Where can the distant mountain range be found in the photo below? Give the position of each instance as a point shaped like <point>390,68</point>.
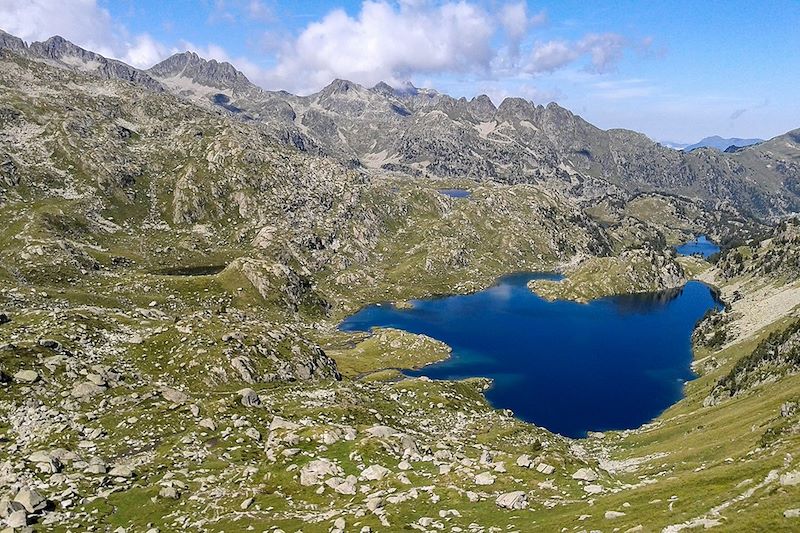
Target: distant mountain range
<point>421,132</point>
<point>721,143</point>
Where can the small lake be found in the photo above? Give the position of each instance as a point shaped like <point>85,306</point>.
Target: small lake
<point>700,246</point>
<point>455,193</point>
<point>614,363</point>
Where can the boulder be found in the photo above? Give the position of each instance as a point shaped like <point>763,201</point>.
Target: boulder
<point>585,474</point>
<point>121,471</point>
<point>546,469</point>
<point>249,398</point>
<point>524,461</point>
<point>26,376</point>
<point>375,472</point>
<point>50,344</point>
<point>611,515</point>
<point>484,478</point>
<point>343,486</point>
<point>85,390</point>
<point>313,472</point>
<point>280,423</point>
<point>208,424</point>
<point>253,433</point>
<point>512,500</point>
<point>31,500</point>
<point>790,478</point>
<point>169,493</point>
<point>173,395</point>
<point>97,379</point>
<point>382,431</point>
<point>17,519</point>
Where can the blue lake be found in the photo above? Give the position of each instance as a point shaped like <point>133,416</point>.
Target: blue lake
<point>700,246</point>
<point>614,363</point>
<point>455,193</point>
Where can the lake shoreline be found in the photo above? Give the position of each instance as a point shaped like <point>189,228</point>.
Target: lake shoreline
<point>641,305</point>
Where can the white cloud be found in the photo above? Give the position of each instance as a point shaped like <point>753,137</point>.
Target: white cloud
<point>387,42</point>
<point>514,18</point>
<point>144,52</point>
<point>603,51</point>
<point>552,55</point>
<point>258,10</point>
<point>83,22</point>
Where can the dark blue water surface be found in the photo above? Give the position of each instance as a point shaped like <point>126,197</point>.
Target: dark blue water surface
<point>614,363</point>
<point>700,245</point>
<point>455,193</point>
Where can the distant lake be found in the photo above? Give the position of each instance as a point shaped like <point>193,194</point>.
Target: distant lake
<point>455,193</point>
<point>614,363</point>
<point>700,245</point>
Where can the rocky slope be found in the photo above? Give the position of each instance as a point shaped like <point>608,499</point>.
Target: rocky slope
<point>172,272</point>
<point>421,132</point>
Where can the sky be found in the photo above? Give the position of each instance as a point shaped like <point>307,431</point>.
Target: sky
<point>676,70</point>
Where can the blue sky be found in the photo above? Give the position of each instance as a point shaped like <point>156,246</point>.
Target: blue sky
<point>677,70</point>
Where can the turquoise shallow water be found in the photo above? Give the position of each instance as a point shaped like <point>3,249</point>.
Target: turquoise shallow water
<point>614,363</point>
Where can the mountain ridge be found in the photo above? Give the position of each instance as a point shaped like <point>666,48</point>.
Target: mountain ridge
<point>425,133</point>
<point>721,144</point>
<point>175,265</point>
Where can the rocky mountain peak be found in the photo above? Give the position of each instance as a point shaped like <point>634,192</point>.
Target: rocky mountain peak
<point>384,89</point>
<point>207,72</point>
<point>65,54</point>
<point>482,107</point>
<point>339,86</point>
<point>11,42</point>
<point>518,108</point>
<point>57,48</point>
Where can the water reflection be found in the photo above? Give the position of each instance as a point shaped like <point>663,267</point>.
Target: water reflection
<point>645,302</point>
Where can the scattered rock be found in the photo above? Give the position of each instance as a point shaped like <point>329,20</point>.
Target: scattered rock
<point>85,390</point>
<point>585,474</point>
<point>208,424</point>
<point>121,471</point>
<point>513,500</point>
<point>375,472</point>
<point>173,395</point>
<point>280,423</point>
<point>50,344</point>
<point>31,500</point>
<point>343,486</point>
<point>524,461</point>
<point>169,493</point>
<point>593,489</point>
<point>484,478</point>
<point>17,519</point>
<point>26,376</point>
<point>313,472</point>
<point>249,398</point>
<point>611,515</point>
<point>545,469</point>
